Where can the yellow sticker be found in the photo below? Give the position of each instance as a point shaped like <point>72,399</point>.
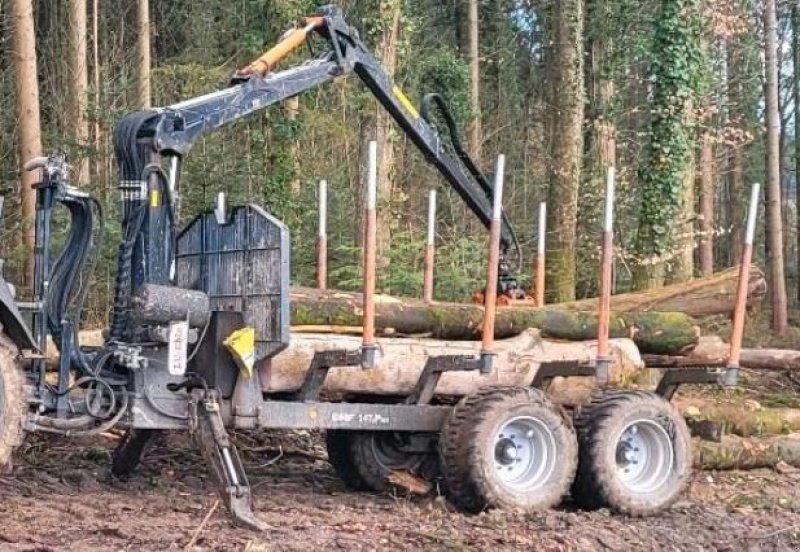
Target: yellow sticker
<point>154,199</point>
<point>403,99</point>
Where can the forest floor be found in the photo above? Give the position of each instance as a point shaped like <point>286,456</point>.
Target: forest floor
<point>60,496</point>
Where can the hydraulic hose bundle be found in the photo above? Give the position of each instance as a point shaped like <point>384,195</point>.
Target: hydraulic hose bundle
<point>132,159</point>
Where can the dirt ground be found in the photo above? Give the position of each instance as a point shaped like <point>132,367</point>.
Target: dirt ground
<point>60,496</point>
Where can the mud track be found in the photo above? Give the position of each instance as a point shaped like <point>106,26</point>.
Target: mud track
<point>60,496</point>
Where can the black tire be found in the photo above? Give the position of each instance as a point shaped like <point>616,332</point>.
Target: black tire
<point>613,420</point>
<point>13,401</point>
<point>471,455</point>
<point>365,459</point>
<point>341,458</point>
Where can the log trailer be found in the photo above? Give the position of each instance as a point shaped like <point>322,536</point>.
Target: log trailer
<point>199,312</point>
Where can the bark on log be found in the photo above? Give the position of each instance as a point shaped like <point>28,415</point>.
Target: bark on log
<point>712,351</point>
<point>714,294</point>
<point>653,332</point>
<point>402,361</point>
<point>743,417</point>
<point>742,453</point>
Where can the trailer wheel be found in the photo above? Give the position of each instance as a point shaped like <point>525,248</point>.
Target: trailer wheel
<point>13,401</point>
<point>635,453</point>
<point>338,442</point>
<point>508,447</point>
<point>365,459</point>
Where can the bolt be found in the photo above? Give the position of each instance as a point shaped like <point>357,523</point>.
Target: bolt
<point>529,434</point>
<point>633,430</point>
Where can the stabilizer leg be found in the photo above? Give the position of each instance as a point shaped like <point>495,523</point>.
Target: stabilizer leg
<point>128,454</point>
<point>222,458</point>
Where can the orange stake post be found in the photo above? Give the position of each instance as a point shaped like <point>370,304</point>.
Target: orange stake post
<point>369,347</point>
<point>492,269</point>
<point>427,278</point>
<point>606,268</point>
<point>539,271</point>
<point>732,373</point>
<point>322,237</point>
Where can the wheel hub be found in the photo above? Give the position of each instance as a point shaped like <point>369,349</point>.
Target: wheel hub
<point>644,456</point>
<point>524,453</point>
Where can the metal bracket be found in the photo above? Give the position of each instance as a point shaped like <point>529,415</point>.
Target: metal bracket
<point>432,373</point>
<point>322,362</point>
<point>548,371</point>
<point>675,377</point>
<point>224,464</point>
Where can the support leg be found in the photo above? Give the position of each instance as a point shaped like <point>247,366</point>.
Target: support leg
<point>128,454</point>
<point>222,458</point>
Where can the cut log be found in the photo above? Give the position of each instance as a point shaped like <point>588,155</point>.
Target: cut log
<point>744,417</point>
<point>712,351</point>
<point>747,453</point>
<point>707,296</point>
<point>653,332</point>
<point>402,361</point>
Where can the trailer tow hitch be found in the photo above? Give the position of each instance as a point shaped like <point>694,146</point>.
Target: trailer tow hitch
<point>208,431</point>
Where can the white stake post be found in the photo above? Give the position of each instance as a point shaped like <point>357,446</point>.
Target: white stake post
<point>540,253</point>
<point>606,268</point>
<point>740,308</point>
<point>322,237</point>
<point>369,347</point>
<point>427,279</point>
<point>492,269</point>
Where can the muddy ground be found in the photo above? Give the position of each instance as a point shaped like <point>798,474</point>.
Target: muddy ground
<point>60,496</point>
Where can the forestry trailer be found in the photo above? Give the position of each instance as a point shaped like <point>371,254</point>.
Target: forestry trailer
<point>199,312</point>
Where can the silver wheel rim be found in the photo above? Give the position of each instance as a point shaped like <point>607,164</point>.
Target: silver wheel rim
<point>524,454</point>
<point>644,456</point>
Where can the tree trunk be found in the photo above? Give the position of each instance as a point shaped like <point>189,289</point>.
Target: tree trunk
<point>565,136</point>
<point>735,157</point>
<point>97,137</point>
<point>26,88</point>
<point>663,172</point>
<point>796,90</point>
<point>707,206</point>
<point>773,188</point>
<point>402,360</point>
<point>379,126</point>
<point>143,47</point>
<point>78,84</point>
<point>475,131</point>
<point>682,265</point>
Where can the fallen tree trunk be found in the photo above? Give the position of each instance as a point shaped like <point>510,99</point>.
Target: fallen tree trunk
<point>653,332</point>
<point>402,360</point>
<point>712,351</point>
<point>744,417</point>
<point>715,294</point>
<point>747,453</point>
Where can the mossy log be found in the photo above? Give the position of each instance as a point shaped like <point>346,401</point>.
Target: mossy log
<point>715,294</point>
<point>713,351</point>
<point>744,417</point>
<point>747,453</point>
<point>654,332</point>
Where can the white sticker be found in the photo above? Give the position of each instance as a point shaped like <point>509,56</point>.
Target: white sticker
<point>178,344</point>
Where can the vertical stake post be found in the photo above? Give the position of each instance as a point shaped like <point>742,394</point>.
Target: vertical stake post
<point>603,360</point>
<point>322,237</point>
<point>539,273</point>
<point>731,376</point>
<point>427,278</point>
<point>492,269</point>
<point>369,348</point>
